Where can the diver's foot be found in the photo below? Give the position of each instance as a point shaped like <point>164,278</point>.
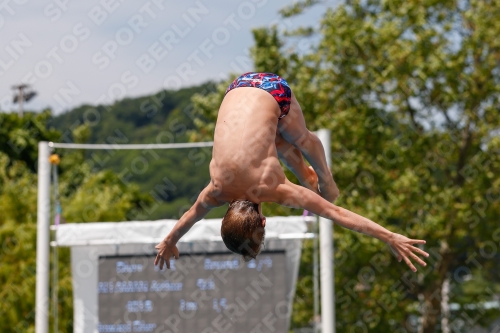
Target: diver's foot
<point>311,181</point>
<point>329,191</point>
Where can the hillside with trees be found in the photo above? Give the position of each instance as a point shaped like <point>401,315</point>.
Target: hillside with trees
<point>172,178</point>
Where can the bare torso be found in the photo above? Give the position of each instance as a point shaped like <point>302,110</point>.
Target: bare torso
<point>245,163</point>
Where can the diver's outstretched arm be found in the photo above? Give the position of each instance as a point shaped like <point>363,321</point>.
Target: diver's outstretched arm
<point>167,248</point>
<point>291,195</point>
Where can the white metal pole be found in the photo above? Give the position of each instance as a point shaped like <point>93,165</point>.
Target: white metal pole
<point>43,240</point>
<point>326,255</point>
<point>316,275</point>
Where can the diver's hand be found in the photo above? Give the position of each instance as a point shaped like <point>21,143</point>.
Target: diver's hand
<point>166,250</point>
<point>403,249</point>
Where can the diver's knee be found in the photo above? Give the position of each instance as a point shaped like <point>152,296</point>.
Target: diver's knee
<point>335,194</point>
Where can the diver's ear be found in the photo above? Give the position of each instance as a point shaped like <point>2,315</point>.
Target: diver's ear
<point>263,220</point>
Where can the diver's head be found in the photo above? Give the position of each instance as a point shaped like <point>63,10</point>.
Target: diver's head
<point>242,228</point>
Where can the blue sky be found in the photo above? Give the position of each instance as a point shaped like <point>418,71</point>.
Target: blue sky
<point>75,52</point>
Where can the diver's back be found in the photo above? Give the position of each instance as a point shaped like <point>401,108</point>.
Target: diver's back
<point>245,131</point>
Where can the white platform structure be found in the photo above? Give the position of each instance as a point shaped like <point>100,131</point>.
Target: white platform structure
<point>74,235</point>
<point>89,241</point>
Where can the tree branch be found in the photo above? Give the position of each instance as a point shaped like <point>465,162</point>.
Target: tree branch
<point>459,179</point>
<point>412,113</point>
<point>451,123</point>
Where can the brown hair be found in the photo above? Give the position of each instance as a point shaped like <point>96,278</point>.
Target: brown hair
<point>242,229</point>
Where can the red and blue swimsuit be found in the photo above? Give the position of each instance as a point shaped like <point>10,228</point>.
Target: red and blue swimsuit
<point>272,83</point>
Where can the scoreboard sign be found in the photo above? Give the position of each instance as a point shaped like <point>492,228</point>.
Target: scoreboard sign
<point>201,293</point>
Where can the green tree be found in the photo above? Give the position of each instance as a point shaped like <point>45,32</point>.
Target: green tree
<point>410,91</point>
<point>86,196</point>
<point>19,137</point>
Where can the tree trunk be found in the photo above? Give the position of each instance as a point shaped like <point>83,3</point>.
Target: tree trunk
<point>432,309</point>
<point>433,294</point>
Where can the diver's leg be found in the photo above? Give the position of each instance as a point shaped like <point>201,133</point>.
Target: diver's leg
<point>293,160</point>
<point>293,129</point>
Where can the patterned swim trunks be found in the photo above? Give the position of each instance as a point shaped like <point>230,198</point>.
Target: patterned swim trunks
<point>272,83</point>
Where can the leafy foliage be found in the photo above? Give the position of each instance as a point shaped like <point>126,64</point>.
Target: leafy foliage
<point>19,136</point>
<point>411,93</point>
<point>86,196</point>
